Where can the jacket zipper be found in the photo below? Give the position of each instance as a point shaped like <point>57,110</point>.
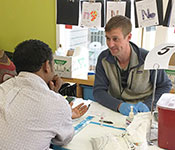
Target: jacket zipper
<point>131,79</point>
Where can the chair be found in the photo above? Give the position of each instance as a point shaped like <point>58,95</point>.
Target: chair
<point>7,68</point>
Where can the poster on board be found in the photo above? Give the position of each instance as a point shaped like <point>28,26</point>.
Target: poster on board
<point>148,13</point>
<point>115,8</point>
<point>91,15</point>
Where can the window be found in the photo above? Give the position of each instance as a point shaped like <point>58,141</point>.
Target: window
<point>92,39</point>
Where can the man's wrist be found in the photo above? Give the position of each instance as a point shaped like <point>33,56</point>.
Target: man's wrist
<point>118,107</point>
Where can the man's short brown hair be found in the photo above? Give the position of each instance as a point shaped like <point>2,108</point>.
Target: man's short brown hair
<point>119,21</point>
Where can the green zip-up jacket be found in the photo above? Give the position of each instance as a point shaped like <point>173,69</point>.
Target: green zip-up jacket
<point>107,87</point>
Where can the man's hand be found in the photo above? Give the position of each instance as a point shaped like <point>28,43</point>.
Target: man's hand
<point>125,108</point>
<point>56,83</point>
<point>141,107</point>
<point>79,110</point>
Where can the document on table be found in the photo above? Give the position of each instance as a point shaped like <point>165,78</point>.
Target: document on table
<point>78,101</point>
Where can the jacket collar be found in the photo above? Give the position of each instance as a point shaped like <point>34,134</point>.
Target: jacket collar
<point>136,58</point>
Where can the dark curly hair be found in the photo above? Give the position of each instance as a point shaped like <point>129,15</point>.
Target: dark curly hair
<point>30,55</point>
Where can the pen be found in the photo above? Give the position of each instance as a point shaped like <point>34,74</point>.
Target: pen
<point>105,121</point>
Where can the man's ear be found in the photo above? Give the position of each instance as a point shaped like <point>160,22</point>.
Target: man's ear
<point>46,66</point>
<point>129,36</point>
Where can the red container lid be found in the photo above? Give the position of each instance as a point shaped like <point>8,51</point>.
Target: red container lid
<point>167,101</point>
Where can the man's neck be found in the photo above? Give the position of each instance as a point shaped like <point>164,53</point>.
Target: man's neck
<point>124,60</point>
<point>124,64</point>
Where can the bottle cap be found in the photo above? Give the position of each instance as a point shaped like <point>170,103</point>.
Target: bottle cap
<point>131,113</point>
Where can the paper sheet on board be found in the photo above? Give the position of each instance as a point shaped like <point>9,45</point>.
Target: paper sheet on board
<point>159,57</point>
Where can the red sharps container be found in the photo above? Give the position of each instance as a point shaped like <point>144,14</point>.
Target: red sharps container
<point>166,121</point>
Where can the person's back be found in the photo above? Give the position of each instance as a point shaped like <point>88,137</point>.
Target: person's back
<point>31,115</point>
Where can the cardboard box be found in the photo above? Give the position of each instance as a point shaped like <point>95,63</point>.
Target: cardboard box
<point>72,66</point>
<point>171,75</point>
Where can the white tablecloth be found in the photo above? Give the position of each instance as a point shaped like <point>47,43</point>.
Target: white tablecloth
<point>81,140</point>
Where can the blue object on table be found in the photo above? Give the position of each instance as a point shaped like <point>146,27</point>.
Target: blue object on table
<point>91,73</point>
<point>105,125</point>
<point>77,128</point>
<point>87,92</point>
<point>56,147</point>
<point>82,124</point>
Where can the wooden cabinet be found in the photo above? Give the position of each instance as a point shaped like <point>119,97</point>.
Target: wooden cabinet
<point>79,90</point>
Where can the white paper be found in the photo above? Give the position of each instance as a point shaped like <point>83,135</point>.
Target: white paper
<point>139,127</point>
<point>172,18</point>
<point>136,133</point>
<point>81,51</point>
<point>159,57</point>
<point>115,8</point>
<point>78,101</point>
<point>147,13</point>
<point>91,15</point>
<point>108,142</point>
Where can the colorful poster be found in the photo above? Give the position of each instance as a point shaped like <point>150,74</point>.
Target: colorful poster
<point>147,13</point>
<point>91,15</point>
<point>115,8</point>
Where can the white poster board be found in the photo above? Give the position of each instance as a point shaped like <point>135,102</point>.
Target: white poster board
<point>91,14</point>
<point>115,8</point>
<point>159,57</point>
<point>147,13</point>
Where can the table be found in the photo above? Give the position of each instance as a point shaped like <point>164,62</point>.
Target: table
<point>82,139</point>
<point>89,82</point>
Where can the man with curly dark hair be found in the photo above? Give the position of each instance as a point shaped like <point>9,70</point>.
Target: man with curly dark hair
<point>32,113</point>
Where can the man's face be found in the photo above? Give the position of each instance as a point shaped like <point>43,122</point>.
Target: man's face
<point>116,42</point>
